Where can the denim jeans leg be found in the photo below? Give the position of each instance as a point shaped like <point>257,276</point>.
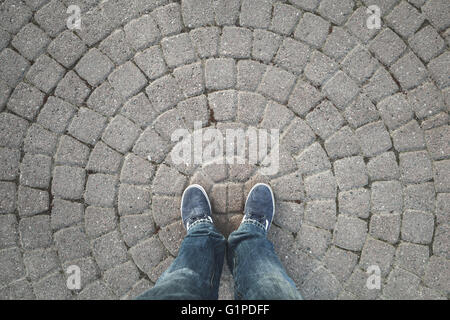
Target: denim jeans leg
<point>257,270</point>
<point>195,273</point>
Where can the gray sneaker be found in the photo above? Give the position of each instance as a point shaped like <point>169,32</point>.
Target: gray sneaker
<point>260,205</point>
<point>195,206</point>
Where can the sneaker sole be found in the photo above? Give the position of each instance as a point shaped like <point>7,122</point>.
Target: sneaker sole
<point>202,190</point>
<point>273,200</point>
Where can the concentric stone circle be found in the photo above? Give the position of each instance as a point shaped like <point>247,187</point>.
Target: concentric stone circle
<point>86,117</point>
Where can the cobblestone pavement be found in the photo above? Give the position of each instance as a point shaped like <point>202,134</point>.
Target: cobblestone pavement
<point>86,118</point>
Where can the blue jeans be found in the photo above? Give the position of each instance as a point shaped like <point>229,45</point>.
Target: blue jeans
<point>195,273</point>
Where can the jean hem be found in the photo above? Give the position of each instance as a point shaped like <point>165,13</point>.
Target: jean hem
<point>254,222</point>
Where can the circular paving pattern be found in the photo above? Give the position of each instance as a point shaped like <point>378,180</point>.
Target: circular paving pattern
<point>86,118</point>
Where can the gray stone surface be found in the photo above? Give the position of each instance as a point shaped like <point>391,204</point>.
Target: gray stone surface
<point>87,176</point>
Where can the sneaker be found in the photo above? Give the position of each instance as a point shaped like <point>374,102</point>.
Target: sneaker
<point>260,205</point>
<point>195,206</point>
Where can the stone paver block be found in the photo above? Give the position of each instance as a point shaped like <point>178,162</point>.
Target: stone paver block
<point>172,237</point>
<point>415,167</point>
<point>65,213</point>
<point>151,62</point>
<point>320,284</point>
<point>168,19</point>
<point>355,202</point>
<point>265,45</point>
<point>284,18</point>
<point>325,119</point>
<point>178,50</point>
<point>136,227</point>
<point>235,42</point>
<point>298,136</point>
<point>14,15</point>
<point>197,13</point>
<point>255,14</point>
<point>127,79</point>
<point>404,19</point>
<point>412,257</point>
<point>220,73</point>
<point>438,69</point>
<point>249,74</point>
<point>72,243</point>
<point>312,29</point>
<point>385,227</point>
<point>426,100</point>
<point>357,25</point>
<point>313,159</point>
<point>122,277</point>
<point>35,232</point>
<point>94,67</point>
<point>12,67</point>
<point>52,287</point>
<point>9,234</point>
<point>409,71</point>
<point>408,137</point>
<point>292,55</point>
<point>139,110</point>
<point>250,107</point>
<point>321,186</point>
<point>168,181</point>
<point>380,85</point>
<point>39,140</point>
<point>40,262</point>
<point>436,12</point>
<point>350,173</point>
<point>339,42</point>
<point>148,254</point>
<point>26,101</point>
<point>436,273</point>
<point>359,64</point>
<point>342,144</point>
<point>321,213</point>
<point>223,104</point>
<point>52,17</point>
<point>205,41</point>
<point>121,134</point>
<point>99,221</point>
<point>116,47</point>
<point>395,111</point>
<point>401,285</point>
<point>109,250</point>
<point>417,226</point>
<point>420,197</point>
<point>190,78</point>
<point>289,216</point>
<point>9,163</point>
<point>87,126</point>
<point>29,202</point>
<point>314,240</point>
<point>45,73</point>
<point>387,46</point>
<point>340,262</point>
<point>441,241</point>
<point>142,32</point>
<point>66,48</point>
<point>437,142</point>
<point>442,176</point>
<point>68,182</point>
<point>104,159</point>
<point>350,233</point>
<point>386,196</point>
<point>136,170</point>
<point>383,167</point>
<point>12,265</point>
<point>30,41</point>
<point>72,152</point>
<point>100,190</point>
<point>164,93</point>
<point>72,89</point>
<point>133,199</point>
<point>55,115</point>
<point>319,68</point>
<point>303,97</point>
<point>373,138</point>
<point>35,171</point>
<point>151,146</point>
<point>376,252</point>
<point>427,43</point>
<point>340,89</point>
<point>336,12</point>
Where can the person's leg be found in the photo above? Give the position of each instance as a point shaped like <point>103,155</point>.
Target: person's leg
<point>195,273</point>
<point>257,270</point>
